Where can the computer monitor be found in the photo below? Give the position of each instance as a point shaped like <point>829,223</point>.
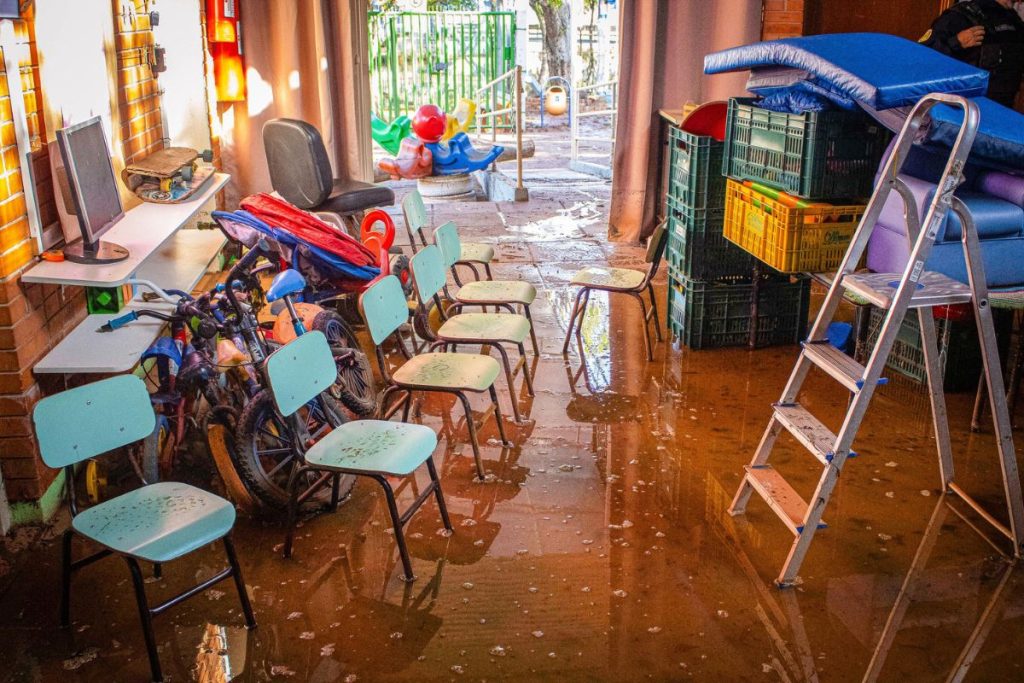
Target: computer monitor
<point>93,189</point>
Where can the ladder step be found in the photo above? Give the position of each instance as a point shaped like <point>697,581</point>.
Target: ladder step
<point>933,289</point>
<point>808,430</point>
<point>841,367</point>
<point>780,496</point>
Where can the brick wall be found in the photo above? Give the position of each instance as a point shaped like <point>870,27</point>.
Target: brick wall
<point>782,19</point>
<point>138,92</point>
<point>33,318</point>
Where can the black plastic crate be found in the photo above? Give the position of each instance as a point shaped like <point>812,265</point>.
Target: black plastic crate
<point>703,254</point>
<point>710,315</point>
<point>695,170</point>
<point>816,155</point>
<point>963,364</point>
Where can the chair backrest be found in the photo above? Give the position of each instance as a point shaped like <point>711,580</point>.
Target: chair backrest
<point>446,237</point>
<point>415,213</point>
<point>428,272</point>
<point>93,419</point>
<point>384,308</point>
<point>300,371</point>
<point>656,245</point>
<point>300,170</point>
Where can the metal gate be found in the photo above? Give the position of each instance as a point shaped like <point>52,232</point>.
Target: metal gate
<point>437,57</point>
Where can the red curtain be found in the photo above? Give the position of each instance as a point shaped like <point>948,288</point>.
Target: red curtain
<point>662,44</point>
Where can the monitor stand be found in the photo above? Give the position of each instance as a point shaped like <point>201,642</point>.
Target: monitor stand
<point>98,252</point>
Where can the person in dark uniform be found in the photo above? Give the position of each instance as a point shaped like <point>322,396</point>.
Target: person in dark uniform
<point>988,34</point>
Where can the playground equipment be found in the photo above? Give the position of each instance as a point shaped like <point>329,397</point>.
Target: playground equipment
<point>461,118</point>
<point>389,135</point>
<point>426,153</point>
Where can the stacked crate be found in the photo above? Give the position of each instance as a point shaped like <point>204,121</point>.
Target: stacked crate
<point>796,181</point>
<point>711,289</point>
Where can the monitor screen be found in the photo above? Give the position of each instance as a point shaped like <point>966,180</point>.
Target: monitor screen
<point>83,148</point>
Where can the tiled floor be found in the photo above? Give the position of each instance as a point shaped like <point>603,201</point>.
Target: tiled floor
<point>599,549</point>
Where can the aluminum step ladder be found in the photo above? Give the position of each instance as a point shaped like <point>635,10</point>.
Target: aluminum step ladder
<point>896,293</point>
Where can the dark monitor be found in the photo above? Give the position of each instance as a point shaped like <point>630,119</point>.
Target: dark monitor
<point>93,189</point>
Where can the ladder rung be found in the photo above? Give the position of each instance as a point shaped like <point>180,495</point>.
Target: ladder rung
<point>933,289</point>
<point>780,496</point>
<point>844,369</point>
<point>808,430</point>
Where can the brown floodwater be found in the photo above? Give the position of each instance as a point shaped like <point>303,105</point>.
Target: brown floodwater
<point>599,549</point>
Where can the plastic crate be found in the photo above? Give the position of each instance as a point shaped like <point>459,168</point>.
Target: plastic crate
<point>829,154</point>
<point>695,170</point>
<point>107,299</point>
<point>790,240</point>
<point>696,247</point>
<point>710,315</point>
<point>963,355</point>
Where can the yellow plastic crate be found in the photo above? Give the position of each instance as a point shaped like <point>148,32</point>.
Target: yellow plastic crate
<point>791,240</point>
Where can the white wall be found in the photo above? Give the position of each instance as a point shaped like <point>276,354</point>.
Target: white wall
<point>186,116</point>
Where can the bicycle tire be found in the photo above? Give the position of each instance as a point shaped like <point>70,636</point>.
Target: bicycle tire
<point>354,386</point>
<point>260,417</point>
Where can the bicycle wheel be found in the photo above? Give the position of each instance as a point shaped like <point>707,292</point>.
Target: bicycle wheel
<point>354,387</point>
<point>264,455</point>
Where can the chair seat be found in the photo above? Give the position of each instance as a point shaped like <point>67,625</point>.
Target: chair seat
<point>497,292</point>
<point>374,446</point>
<point>159,522</point>
<point>474,252</point>
<point>608,278</point>
<point>482,327</point>
<point>351,196</point>
<point>453,371</point>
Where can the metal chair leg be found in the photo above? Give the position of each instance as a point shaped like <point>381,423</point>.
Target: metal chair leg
<point>65,593</point>
<point>533,333</point>
<point>236,573</point>
<point>654,310</point>
<point>572,319</point>
<point>509,379</point>
<point>396,521</point>
<point>146,617</point>
<point>335,492</point>
<point>499,419</point>
<point>527,375</point>
<point>472,434</point>
<point>487,269</point>
<point>647,331</point>
<point>441,506</point>
<point>293,509</point>
<point>158,570</point>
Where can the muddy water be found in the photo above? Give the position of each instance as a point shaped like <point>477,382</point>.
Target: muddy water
<point>600,548</point>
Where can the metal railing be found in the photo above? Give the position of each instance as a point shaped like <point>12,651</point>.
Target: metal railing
<point>421,58</point>
<point>497,107</point>
<point>577,158</point>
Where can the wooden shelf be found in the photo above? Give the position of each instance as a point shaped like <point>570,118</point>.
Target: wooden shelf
<point>143,231</point>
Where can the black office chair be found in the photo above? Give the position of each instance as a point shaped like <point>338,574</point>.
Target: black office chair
<point>301,173</point>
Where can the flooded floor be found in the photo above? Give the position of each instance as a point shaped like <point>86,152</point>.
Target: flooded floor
<point>600,549</point>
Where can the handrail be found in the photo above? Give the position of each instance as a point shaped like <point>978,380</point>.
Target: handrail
<point>494,111</point>
<point>575,155</point>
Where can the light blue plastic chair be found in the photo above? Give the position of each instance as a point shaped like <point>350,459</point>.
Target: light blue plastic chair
<point>485,329</point>
<point>470,254</point>
<point>385,311</point>
<point>156,523</point>
<point>498,293</point>
<point>298,373</point>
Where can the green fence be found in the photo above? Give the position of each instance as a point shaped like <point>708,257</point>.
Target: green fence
<point>437,57</point>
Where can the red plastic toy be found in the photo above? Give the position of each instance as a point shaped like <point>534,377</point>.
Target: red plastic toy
<point>428,123</point>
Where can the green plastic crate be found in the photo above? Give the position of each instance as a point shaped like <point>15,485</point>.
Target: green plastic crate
<point>711,315</point>
<point>107,299</point>
<point>825,155</point>
<point>697,249</point>
<point>695,175</point>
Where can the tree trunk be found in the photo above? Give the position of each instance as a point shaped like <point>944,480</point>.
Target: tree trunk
<point>555,27</point>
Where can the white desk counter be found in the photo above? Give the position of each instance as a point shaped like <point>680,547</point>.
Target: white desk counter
<point>160,252</point>
<point>142,231</point>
